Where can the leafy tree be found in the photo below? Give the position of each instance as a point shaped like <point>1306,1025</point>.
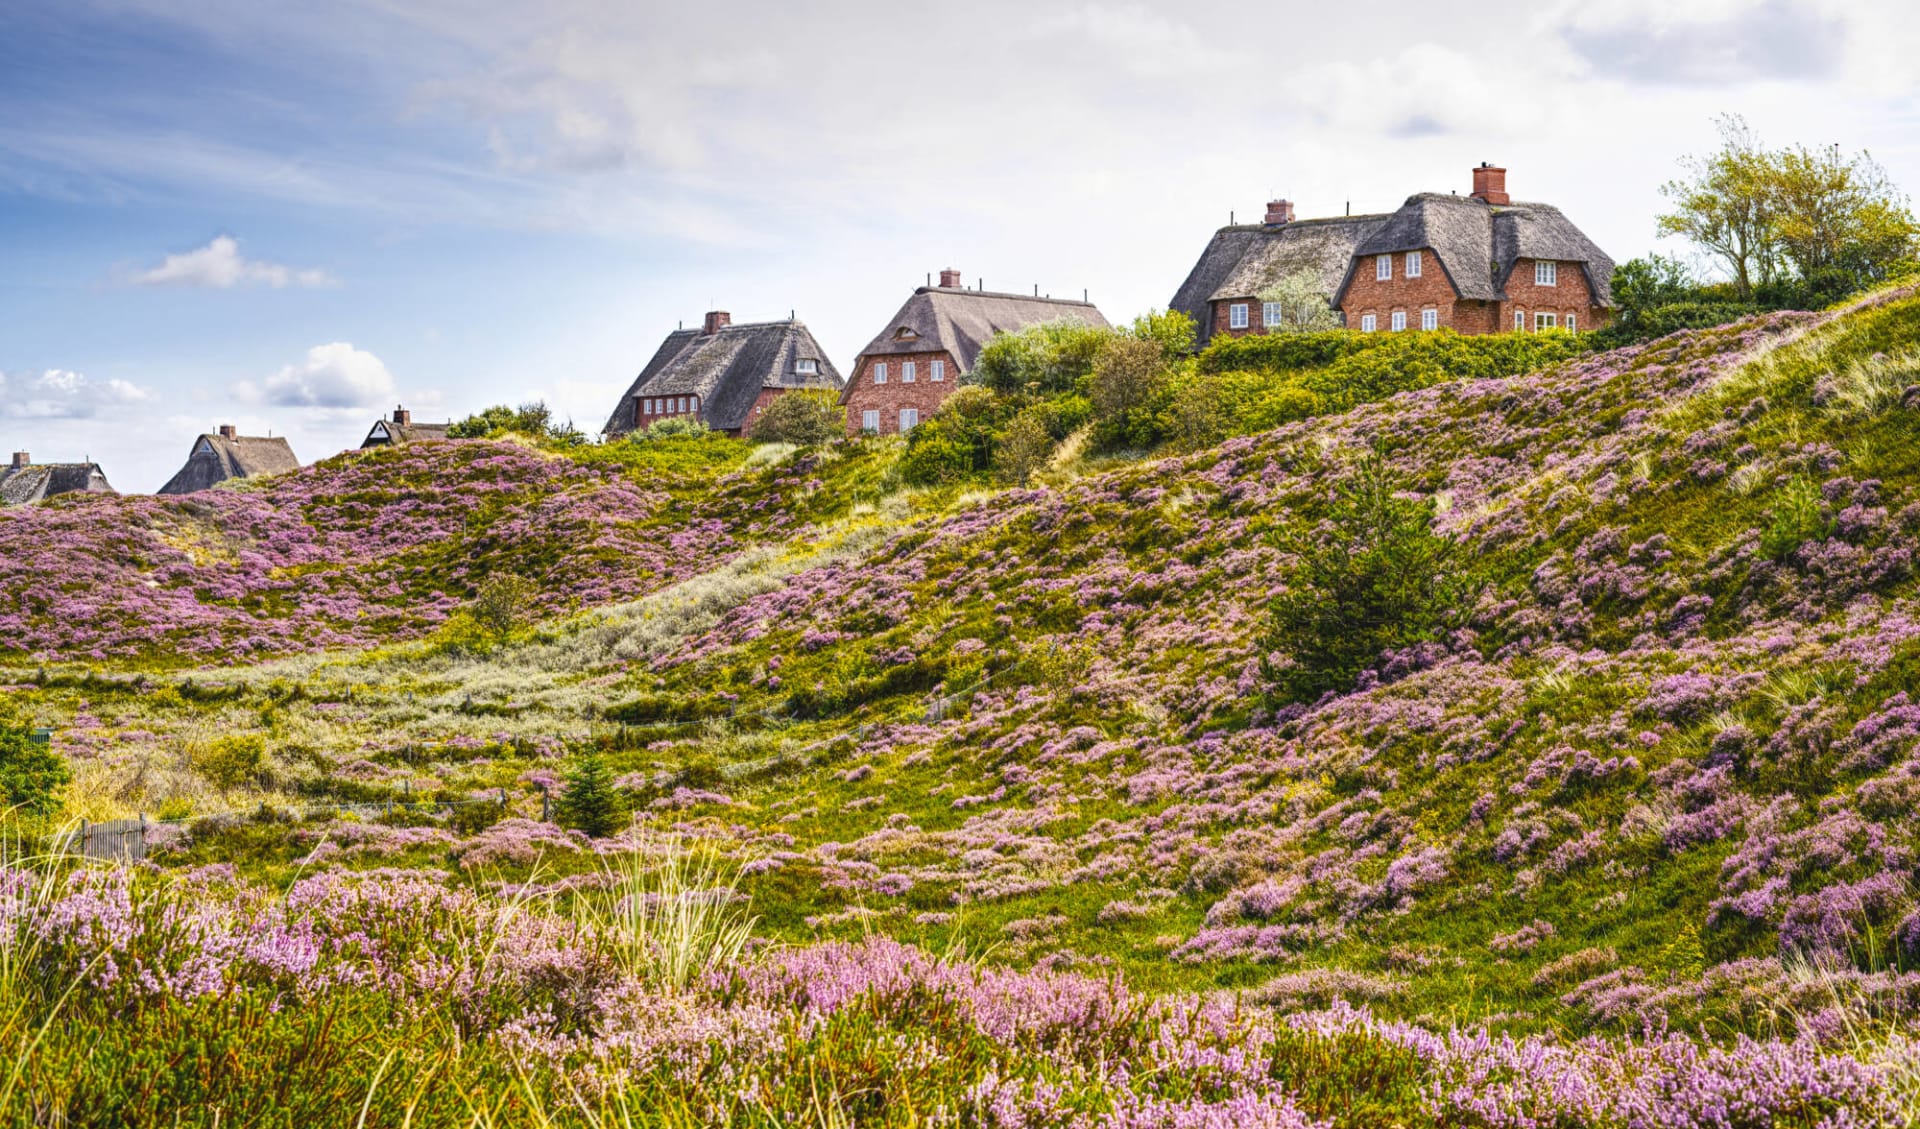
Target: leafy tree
<point>1047,358</point>
<point>1127,375</point>
<point>1374,577</point>
<point>1839,220</point>
<point>1725,205</point>
<point>1172,330</point>
<point>1022,450</point>
<point>503,604</point>
<point>591,803</point>
<point>803,418</point>
<point>1303,304</point>
<point>534,421</point>
<point>31,775</point>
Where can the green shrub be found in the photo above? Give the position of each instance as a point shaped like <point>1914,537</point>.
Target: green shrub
<point>503,604</point>
<point>591,803</point>
<point>673,427</point>
<point>534,421</point>
<point>231,760</point>
<point>1796,518</point>
<point>31,774</point>
<point>1376,578</point>
<point>804,418</point>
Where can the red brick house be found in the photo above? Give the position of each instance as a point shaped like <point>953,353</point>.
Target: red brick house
<point>723,374</point>
<point>1480,263</point>
<point>932,342</point>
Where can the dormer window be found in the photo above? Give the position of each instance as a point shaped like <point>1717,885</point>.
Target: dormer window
<point>905,333</point>
<point>1546,274</point>
<point>806,366</point>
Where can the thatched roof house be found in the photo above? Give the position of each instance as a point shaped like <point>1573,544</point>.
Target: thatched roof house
<point>226,454</point>
<point>402,429</point>
<point>24,482</point>
<point>932,341</point>
<point>1480,263</point>
<point>723,374</point>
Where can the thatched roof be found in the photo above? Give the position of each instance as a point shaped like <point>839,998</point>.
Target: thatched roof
<point>728,369</point>
<point>1477,243</point>
<point>1245,259</point>
<point>216,458</point>
<point>20,486</point>
<point>386,432</point>
<point>962,321</point>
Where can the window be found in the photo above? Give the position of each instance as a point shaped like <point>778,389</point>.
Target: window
<point>909,418</point>
<point>1399,320</point>
<point>1569,323</point>
<point>1545,321</point>
<point>1546,274</point>
<point>1383,267</point>
<point>906,372</point>
<point>1519,320</point>
<point>1270,314</point>
<point>1366,323</point>
<point>870,420</point>
<point>806,366</point>
<point>880,373</point>
<point>938,371</point>
<point>1429,319</point>
<point>1237,316</point>
<point>1413,264</point>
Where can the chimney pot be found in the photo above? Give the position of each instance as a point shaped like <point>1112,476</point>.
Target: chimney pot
<point>1490,183</point>
<point>227,431</point>
<point>21,460</point>
<point>950,279</point>
<point>717,320</point>
<point>402,416</point>
<point>1279,211</point>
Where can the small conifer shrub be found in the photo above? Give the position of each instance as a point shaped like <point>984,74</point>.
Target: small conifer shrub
<point>591,802</point>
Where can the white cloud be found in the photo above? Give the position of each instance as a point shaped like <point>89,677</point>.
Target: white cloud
<point>220,266</point>
<point>55,394</point>
<point>336,375</point>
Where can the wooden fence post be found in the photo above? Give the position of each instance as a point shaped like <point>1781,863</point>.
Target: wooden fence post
<point>546,805</point>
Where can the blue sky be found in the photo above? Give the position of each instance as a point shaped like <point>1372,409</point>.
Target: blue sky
<point>290,217</point>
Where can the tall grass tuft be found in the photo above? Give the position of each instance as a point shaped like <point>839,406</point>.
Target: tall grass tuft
<point>668,917</point>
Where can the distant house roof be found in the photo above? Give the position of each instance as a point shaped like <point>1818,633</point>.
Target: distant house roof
<point>1478,243</point>
<point>218,457</point>
<point>1245,259</point>
<point>727,367</point>
<point>961,321</point>
<point>401,429</point>
<point>24,485</point>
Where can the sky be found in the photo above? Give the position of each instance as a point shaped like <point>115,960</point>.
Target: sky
<point>292,217</point>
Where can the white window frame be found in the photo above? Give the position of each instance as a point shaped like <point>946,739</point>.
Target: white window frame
<point>1429,319</point>
<point>1413,264</point>
<point>1570,325</point>
<point>647,406</point>
<point>1545,320</point>
<point>1546,272</point>
<point>1271,314</point>
<point>1237,315</point>
<point>870,420</point>
<point>907,373</point>
<point>806,366</point>
<point>937,371</point>
<point>909,419</point>
<point>1399,321</point>
<point>1519,321</point>
<point>1368,323</point>
<point>1383,268</point>
<point>879,372</point>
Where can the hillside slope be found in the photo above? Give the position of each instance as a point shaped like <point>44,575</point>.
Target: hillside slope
<point>1667,767</point>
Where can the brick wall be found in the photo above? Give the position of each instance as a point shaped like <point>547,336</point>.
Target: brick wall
<point>760,402</point>
<point>1367,294</point>
<point>924,395</point>
<point>642,418</point>
<point>1570,294</point>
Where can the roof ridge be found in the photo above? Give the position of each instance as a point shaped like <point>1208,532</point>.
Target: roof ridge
<point>948,290</point>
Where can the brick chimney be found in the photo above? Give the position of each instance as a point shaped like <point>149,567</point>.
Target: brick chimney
<point>402,416</point>
<point>950,279</point>
<point>1490,183</point>
<point>22,460</point>
<point>1279,211</point>
<point>717,320</point>
<point>227,431</point>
